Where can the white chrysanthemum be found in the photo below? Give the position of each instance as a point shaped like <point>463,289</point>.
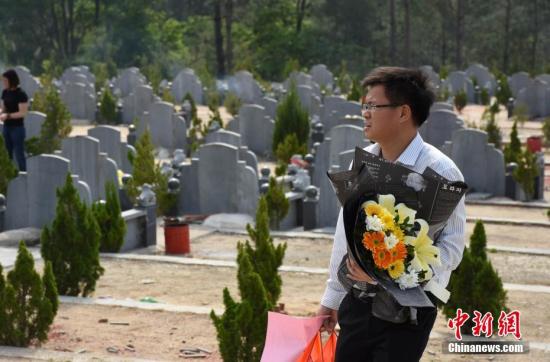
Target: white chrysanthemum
<point>374,223</point>
<point>408,280</point>
<point>390,241</point>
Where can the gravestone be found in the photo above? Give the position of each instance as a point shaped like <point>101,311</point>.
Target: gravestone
<point>536,97</point>
<point>336,108</point>
<point>301,78</point>
<point>33,124</point>
<point>432,75</point>
<point>218,182</point>
<point>28,83</point>
<point>234,139</point>
<point>78,74</point>
<point>137,102</point>
<point>80,100</point>
<point>91,165</point>
<point>544,78</point>
<point>440,126</point>
<point>110,143</point>
<point>483,77</point>
<point>459,81</point>
<point>343,138</point>
<point>245,87</point>
<point>518,81</point>
<point>256,128</point>
<point>187,82</point>
<point>481,163</point>
<point>32,199</point>
<point>168,129</point>
<point>127,80</point>
<point>322,76</point>
<point>437,106</point>
<point>270,106</point>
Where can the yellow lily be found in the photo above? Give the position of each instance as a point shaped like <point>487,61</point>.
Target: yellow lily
<point>425,253</point>
<point>403,211</point>
<point>387,202</point>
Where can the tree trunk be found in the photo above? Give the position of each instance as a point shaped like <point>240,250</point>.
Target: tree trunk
<point>505,55</point>
<point>218,38</point>
<point>228,35</point>
<point>300,14</point>
<point>407,48</point>
<point>459,56</point>
<point>444,13</point>
<point>393,35</point>
<point>96,16</point>
<point>535,36</point>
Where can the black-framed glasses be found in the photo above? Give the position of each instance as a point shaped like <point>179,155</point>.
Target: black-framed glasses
<point>369,107</point>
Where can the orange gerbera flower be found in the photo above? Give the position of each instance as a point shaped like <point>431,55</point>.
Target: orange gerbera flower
<point>398,252</point>
<point>373,240</point>
<point>382,258</point>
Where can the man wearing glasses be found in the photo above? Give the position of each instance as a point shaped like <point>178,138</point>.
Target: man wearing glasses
<point>397,102</point>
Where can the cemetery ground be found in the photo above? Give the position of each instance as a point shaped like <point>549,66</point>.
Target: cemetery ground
<point>148,306</point>
<point>185,289</point>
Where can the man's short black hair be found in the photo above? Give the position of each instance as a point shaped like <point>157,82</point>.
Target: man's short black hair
<point>404,86</point>
<point>12,77</point>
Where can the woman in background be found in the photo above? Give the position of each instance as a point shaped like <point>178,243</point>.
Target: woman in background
<point>14,107</point>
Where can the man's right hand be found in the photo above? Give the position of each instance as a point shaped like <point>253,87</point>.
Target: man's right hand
<point>330,323</point>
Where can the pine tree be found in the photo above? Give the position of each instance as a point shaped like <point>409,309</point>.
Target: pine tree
<point>526,172</point>
<point>265,256</point>
<point>355,91</point>
<point>475,285</point>
<point>460,100</point>
<point>109,218</point>
<point>146,171</point>
<point>7,169</point>
<point>241,328</point>
<point>107,109</point>
<point>492,129</point>
<point>289,147</point>
<point>512,151</point>
<point>71,244</point>
<point>277,203</point>
<point>27,307</point>
<point>232,103</point>
<point>478,241</point>
<point>56,126</point>
<point>291,119</point>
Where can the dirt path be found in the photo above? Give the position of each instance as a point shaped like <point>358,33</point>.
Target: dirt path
<point>160,335</point>
<point>507,212</point>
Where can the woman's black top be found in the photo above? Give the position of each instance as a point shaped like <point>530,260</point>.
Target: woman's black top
<point>11,99</point>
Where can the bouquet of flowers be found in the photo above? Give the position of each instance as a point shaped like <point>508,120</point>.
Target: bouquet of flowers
<point>393,217</point>
<point>396,247</point>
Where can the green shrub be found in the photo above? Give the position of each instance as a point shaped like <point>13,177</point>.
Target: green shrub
<point>71,244</point>
<point>277,203</point>
<point>232,103</point>
<point>526,172</point>
<point>475,284</point>
<point>504,92</point>
<point>520,114</point>
<point>289,147</point>
<point>355,92</point>
<point>56,126</point>
<point>241,328</point>
<point>146,171</point>
<point>491,126</point>
<point>28,303</point>
<point>460,100</point>
<point>484,97</point>
<point>107,108</point>
<point>291,119</point>
<point>7,169</point>
<point>109,218</point>
<point>512,151</point>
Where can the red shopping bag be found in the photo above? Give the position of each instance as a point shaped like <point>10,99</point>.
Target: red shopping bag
<point>316,352</point>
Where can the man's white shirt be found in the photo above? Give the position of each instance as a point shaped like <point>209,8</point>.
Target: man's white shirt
<point>417,156</point>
